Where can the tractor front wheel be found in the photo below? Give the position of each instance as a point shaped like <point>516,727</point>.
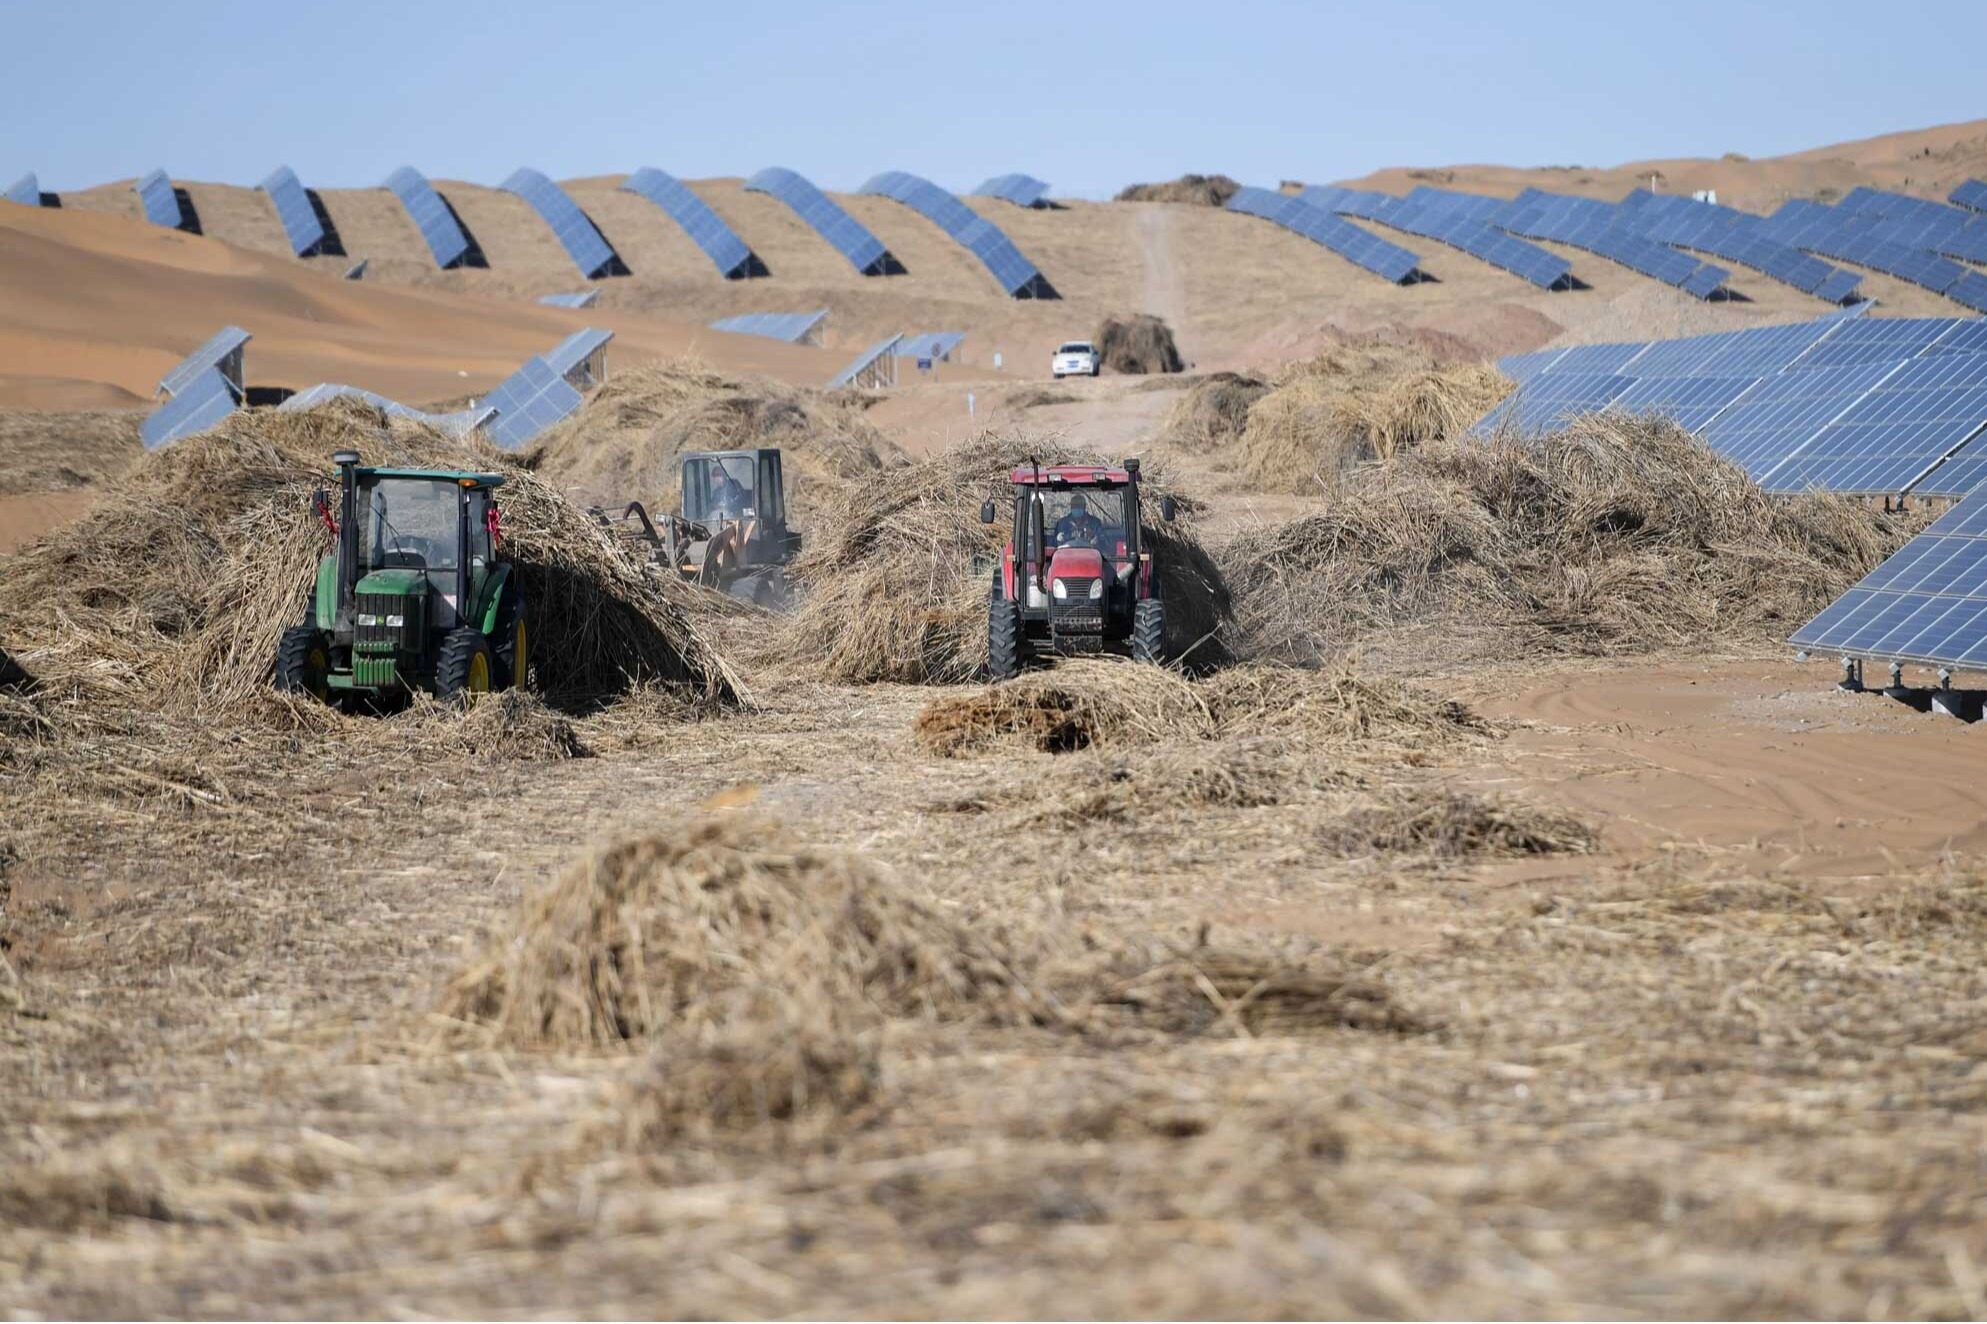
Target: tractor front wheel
<point>513,644</point>
<point>1004,640</point>
<point>303,663</point>
<point>466,667</point>
<point>1148,632</point>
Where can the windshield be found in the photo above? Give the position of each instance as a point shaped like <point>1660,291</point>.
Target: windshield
<point>1085,517</point>
<point>726,491</point>
<point>414,523</point>
<point>1077,347</point>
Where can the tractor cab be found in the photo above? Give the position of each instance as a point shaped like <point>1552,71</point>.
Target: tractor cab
<point>732,535</point>
<point>416,592</point>
<point>1076,575</point>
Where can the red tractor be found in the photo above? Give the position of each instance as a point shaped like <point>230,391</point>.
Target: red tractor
<point>1076,576</point>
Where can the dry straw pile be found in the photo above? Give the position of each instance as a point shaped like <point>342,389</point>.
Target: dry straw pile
<point>173,592</point>
<point>624,442</point>
<point>1200,190</point>
<point>1356,402</point>
<point>898,572</point>
<point>1616,535</point>
<point>1138,344</point>
<point>1214,412</point>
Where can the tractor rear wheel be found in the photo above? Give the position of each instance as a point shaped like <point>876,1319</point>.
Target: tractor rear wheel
<point>512,644</point>
<point>466,667</point>
<point>1148,632</point>
<point>1004,642</point>
<point>303,663</point>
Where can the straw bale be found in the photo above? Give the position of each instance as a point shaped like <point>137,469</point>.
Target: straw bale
<point>1138,343</point>
<point>1077,704</point>
<point>1213,413</point>
<point>1200,190</point>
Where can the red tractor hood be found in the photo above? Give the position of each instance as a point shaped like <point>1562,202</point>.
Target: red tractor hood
<point>1077,563</point>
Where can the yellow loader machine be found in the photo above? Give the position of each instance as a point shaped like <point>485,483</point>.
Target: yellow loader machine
<point>732,535</point>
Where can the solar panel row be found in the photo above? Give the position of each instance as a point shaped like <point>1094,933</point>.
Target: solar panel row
<point>293,208</point>
<point>1359,247</point>
<point>155,193</point>
<point>431,215</point>
<point>204,400</point>
<point>973,232</point>
<point>1021,190</point>
<point>1838,234</point>
<point>1927,603</point>
<point>26,190</point>
<point>1590,224</point>
<point>866,363</point>
<point>794,328</point>
<point>591,253</point>
<point>575,352</point>
<point>1733,235</point>
<point>581,299</point>
<point>221,350</point>
<point>1446,225</point>
<point>929,345</point>
<point>848,236</point>
<point>727,252</point>
<point>1972,194</point>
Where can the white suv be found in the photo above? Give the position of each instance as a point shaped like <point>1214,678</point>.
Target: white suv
<point>1078,358</point>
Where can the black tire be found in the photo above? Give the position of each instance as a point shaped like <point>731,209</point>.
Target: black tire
<point>1148,632</point>
<point>303,663</point>
<point>1006,650</point>
<point>1097,371</point>
<point>466,667</point>
<point>513,637</point>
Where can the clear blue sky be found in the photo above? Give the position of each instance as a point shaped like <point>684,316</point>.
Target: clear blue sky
<point>1087,95</point>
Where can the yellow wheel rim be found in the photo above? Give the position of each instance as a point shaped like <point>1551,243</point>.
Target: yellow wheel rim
<point>479,674</point>
<point>520,658</point>
<point>316,668</point>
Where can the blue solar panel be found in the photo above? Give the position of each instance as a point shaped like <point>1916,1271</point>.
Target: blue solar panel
<point>527,402</point>
<point>849,236</point>
<point>1841,287</point>
<point>793,328</point>
<point>1525,260</point>
<point>1972,194</point>
<point>1895,433</point>
<point>1969,290</point>
<point>1473,205</point>
<point>1521,368</point>
<point>1927,603</point>
<point>430,215</point>
<point>979,236</point>
<point>573,353</point>
<point>161,204</point>
<point>1550,401</point>
<point>1857,237</point>
<point>1779,416</point>
<point>581,299</point>
<point>1357,246</point>
<point>1966,337</point>
<point>929,345</point>
<point>1607,231</point>
<point>863,361</point>
<point>1598,359</point>
<point>294,210</point>
<point>26,190</point>
<point>592,254</point>
<point>1879,340</point>
<point>222,350</point>
<point>1021,190</point>
<point>206,399</point>
<point>1690,402</point>
<point>728,253</point>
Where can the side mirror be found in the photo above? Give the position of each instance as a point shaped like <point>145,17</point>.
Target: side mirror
<point>986,512</point>
<point>1168,509</point>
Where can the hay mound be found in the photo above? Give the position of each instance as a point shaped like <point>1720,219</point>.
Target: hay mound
<point>511,725</point>
<point>625,442</point>
<point>1214,412</point>
<point>1616,535</point>
<point>1447,824</point>
<point>776,1063</point>
<point>1077,704</point>
<point>1136,785</point>
<point>1140,344</point>
<point>176,589</point>
<point>1359,401</point>
<point>897,578</point>
<point>1201,190</point>
<point>1337,703</point>
<point>708,924</point>
<point>1211,991</point>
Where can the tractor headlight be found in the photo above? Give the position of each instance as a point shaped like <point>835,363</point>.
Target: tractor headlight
<point>1059,590</point>
<point>1096,590</point>
<point>395,622</point>
<point>367,618</point>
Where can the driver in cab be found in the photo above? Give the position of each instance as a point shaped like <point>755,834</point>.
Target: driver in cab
<point>1079,528</point>
<point>728,496</point>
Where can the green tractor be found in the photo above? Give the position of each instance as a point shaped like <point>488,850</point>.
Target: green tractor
<point>416,596</point>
